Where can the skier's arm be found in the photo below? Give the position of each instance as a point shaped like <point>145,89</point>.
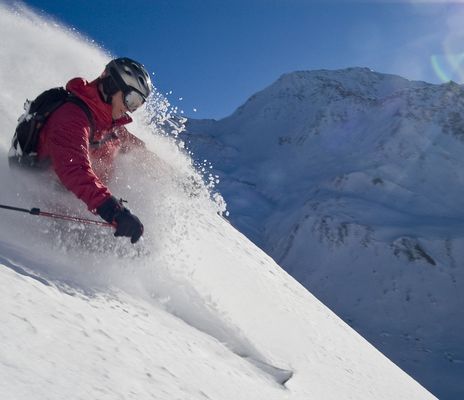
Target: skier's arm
<point>69,150</point>
<point>68,141</point>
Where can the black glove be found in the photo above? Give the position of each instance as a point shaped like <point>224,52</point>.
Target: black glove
<point>127,224</point>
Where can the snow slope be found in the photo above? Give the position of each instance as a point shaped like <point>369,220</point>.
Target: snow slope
<point>352,180</point>
<point>194,311</point>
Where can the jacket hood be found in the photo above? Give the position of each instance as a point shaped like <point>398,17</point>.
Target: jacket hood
<point>88,92</point>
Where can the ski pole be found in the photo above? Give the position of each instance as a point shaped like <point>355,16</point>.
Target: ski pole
<point>36,211</point>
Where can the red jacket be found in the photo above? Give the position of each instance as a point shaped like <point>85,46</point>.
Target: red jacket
<point>64,139</point>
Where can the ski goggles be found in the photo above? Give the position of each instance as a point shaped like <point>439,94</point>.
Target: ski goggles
<point>133,100</point>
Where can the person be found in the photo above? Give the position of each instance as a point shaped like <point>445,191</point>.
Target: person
<point>81,156</point>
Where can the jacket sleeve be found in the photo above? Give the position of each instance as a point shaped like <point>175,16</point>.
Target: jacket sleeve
<point>68,143</point>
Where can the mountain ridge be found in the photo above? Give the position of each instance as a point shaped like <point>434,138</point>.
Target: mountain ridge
<point>325,169</point>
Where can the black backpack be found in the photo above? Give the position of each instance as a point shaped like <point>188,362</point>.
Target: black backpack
<point>26,137</point>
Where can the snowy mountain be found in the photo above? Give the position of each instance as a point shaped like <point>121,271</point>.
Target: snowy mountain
<point>353,181</point>
<point>194,311</point>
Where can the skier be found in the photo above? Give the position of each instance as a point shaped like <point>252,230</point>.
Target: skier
<point>81,147</point>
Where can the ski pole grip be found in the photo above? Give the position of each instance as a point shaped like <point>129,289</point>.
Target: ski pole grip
<point>35,211</point>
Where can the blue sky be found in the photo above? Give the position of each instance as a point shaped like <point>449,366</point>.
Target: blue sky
<point>214,54</point>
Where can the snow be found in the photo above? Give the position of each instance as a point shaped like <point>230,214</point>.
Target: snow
<point>193,311</point>
<point>352,181</point>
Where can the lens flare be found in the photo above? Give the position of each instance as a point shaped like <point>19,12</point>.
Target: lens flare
<point>448,62</point>
<point>439,68</point>
<point>448,67</point>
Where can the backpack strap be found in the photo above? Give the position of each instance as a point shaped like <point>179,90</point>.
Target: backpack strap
<point>82,104</point>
